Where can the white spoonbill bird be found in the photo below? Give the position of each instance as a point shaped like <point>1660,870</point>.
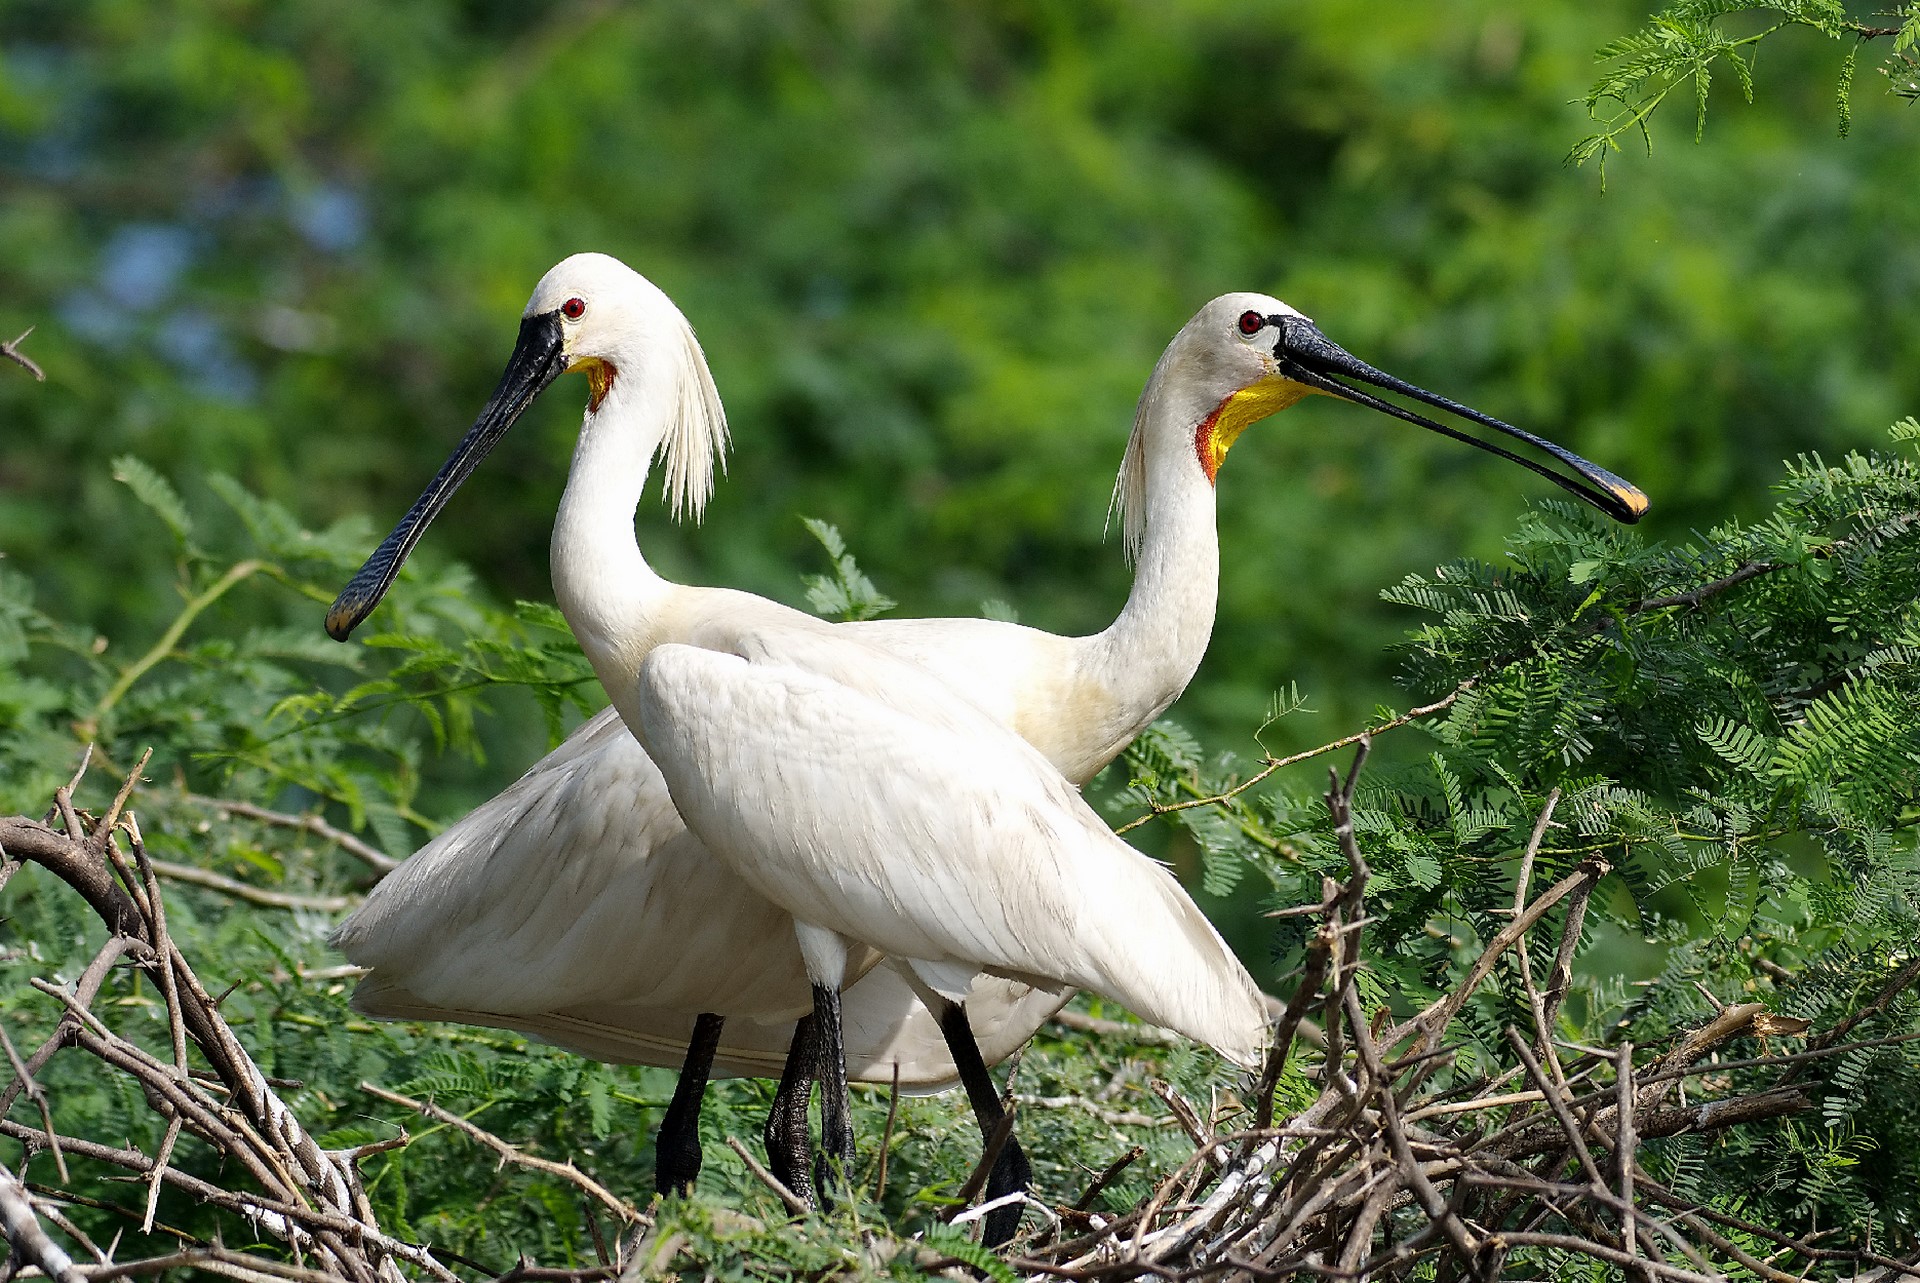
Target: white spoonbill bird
<point>576,907</point>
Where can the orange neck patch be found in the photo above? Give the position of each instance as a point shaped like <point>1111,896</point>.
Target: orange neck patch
<point>599,380</point>
<point>1216,433</point>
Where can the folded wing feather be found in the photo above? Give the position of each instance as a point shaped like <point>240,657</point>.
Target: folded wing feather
<point>886,810</point>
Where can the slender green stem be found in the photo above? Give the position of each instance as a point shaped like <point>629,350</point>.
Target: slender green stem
<point>1273,764</point>
<point>163,648</point>
<point>405,700</point>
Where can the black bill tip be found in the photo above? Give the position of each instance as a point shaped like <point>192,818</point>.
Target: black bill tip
<point>364,591</point>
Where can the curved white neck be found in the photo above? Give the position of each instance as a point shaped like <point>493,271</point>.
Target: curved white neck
<point>1150,652</point>
<point>615,602</point>
<point>603,585</point>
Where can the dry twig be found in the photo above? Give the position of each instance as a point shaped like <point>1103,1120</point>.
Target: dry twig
<point>374,858</point>
<point>1404,1165</point>
<point>296,1192</point>
<point>1399,1170</point>
<point>11,350</point>
<point>794,1203</point>
<point>511,1154</point>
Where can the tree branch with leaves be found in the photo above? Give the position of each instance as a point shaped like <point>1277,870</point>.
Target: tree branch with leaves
<point>1683,46</point>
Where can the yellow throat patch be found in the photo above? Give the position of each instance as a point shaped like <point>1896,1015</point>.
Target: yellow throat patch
<point>1219,430</point>
<point>599,379</point>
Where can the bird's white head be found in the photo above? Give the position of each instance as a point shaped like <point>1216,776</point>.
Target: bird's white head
<point>593,314</point>
<point>1224,369</point>
<point>1246,356</point>
<point>622,331</point>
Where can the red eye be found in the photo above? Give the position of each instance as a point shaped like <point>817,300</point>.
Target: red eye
<point>1250,322</point>
<point>574,308</point>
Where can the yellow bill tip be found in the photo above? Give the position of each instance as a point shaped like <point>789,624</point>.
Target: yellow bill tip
<point>1632,499</point>
<point>342,619</point>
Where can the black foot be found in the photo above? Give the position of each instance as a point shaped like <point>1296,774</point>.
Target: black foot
<point>825,1182</point>
<point>789,1143</point>
<point>676,1148</point>
<point>676,1162</point>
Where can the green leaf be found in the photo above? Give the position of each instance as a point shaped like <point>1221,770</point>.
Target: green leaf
<point>16,615</point>
<point>847,594</point>
<point>956,1244</point>
<point>157,493</point>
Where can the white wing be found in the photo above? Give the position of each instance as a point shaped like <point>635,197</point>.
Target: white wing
<point>574,887</point>
<point>855,791</point>
<point>576,908</point>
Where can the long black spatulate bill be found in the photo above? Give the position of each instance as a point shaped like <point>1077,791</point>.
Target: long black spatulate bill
<point>536,362</point>
<point>1310,357</point>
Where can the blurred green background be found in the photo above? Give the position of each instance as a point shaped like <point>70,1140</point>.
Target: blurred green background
<point>932,251</point>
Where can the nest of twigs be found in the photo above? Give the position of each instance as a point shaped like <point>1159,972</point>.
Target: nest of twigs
<point>1399,1169</point>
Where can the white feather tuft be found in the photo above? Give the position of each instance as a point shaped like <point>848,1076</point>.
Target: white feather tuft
<point>1129,501</point>
<point>695,439</point>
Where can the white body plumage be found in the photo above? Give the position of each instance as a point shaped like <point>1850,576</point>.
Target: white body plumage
<point>578,908</point>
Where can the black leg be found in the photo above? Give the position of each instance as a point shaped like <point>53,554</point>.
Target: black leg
<point>836,1123</point>
<point>1010,1171</point>
<point>789,1145</point>
<point>676,1149</point>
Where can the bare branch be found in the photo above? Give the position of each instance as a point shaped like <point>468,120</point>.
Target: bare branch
<point>239,890</point>
<point>1133,1031</point>
<point>374,858</point>
<point>1434,1020</point>
<point>38,1095</point>
<point>11,350</point>
<point>24,1232</point>
<point>1273,764</point>
<point>794,1203</point>
<point>310,1201</point>
<point>510,1153</point>
<point>1108,1175</point>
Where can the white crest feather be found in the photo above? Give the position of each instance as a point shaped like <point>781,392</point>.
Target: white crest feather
<point>1129,501</point>
<point>695,439</point>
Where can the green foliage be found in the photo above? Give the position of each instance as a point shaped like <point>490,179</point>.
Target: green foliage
<point>280,715</point>
<point>269,708</point>
<point>1730,724</point>
<point>846,594</point>
<point>1681,46</point>
<point>933,252</point>
<point>1733,724</point>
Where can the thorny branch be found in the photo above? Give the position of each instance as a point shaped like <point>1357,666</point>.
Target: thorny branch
<point>1272,764</point>
<point>374,858</point>
<point>1404,1167</point>
<point>509,1153</point>
<point>276,1180</point>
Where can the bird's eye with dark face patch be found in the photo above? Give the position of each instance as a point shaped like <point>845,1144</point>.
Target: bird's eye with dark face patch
<point>1250,323</point>
<point>575,308</point>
